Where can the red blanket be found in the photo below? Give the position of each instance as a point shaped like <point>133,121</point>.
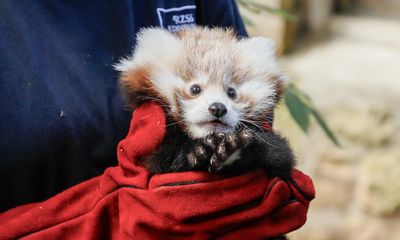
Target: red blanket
<point>127,203</point>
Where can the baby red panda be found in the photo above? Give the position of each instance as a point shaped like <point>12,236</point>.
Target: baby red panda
<point>217,92</point>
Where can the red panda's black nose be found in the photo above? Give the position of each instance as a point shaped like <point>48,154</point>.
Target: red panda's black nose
<point>217,109</point>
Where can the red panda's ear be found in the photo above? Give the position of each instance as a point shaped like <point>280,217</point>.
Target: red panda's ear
<point>279,82</point>
<point>136,86</point>
<point>259,49</point>
<point>259,54</point>
<point>156,48</point>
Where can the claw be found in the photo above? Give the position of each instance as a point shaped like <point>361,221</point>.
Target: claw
<point>200,151</point>
<point>213,169</point>
<point>246,137</point>
<point>210,142</point>
<point>232,139</point>
<point>213,164</point>
<point>192,159</point>
<point>220,135</point>
<point>213,159</point>
<point>221,151</point>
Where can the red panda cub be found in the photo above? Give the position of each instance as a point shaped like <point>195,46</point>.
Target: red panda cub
<point>217,92</point>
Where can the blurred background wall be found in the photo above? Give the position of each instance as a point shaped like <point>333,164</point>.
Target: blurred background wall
<point>345,54</point>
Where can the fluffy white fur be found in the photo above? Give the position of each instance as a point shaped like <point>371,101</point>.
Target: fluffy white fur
<point>216,60</point>
<point>196,112</point>
<point>154,46</point>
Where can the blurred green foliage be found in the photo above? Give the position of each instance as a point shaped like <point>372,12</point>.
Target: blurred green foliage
<point>302,109</point>
<point>259,8</point>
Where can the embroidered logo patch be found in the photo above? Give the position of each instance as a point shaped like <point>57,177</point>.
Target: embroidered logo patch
<point>175,19</point>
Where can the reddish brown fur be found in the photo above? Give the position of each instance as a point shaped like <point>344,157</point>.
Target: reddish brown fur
<point>212,57</point>
<point>136,85</point>
<point>278,86</point>
<point>185,94</point>
<point>177,117</point>
<point>248,100</point>
<point>201,46</point>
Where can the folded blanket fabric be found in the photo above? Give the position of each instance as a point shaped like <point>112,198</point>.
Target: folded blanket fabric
<point>128,203</point>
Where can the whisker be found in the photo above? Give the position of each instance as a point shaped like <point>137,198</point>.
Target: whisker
<point>257,135</point>
<point>174,123</point>
<point>262,132</point>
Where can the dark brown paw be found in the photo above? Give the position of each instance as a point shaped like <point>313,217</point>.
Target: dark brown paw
<point>212,141</point>
<point>198,155</point>
<point>202,151</point>
<point>229,149</point>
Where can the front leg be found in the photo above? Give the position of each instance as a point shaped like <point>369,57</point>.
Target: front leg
<point>202,150</point>
<point>183,154</point>
<point>272,152</point>
<point>250,149</point>
<point>178,153</point>
<point>229,149</point>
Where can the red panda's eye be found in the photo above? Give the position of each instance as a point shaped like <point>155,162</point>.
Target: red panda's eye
<point>195,89</point>
<point>231,93</point>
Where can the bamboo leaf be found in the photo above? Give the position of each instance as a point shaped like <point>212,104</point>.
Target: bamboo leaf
<point>259,7</point>
<point>297,109</point>
<point>322,123</point>
<point>306,101</point>
<point>278,11</point>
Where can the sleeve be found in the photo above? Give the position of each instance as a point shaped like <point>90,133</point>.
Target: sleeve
<point>220,13</point>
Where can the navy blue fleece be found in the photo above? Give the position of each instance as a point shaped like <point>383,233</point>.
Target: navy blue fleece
<point>61,114</point>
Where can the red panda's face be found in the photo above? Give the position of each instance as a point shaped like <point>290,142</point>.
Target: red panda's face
<point>207,80</point>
